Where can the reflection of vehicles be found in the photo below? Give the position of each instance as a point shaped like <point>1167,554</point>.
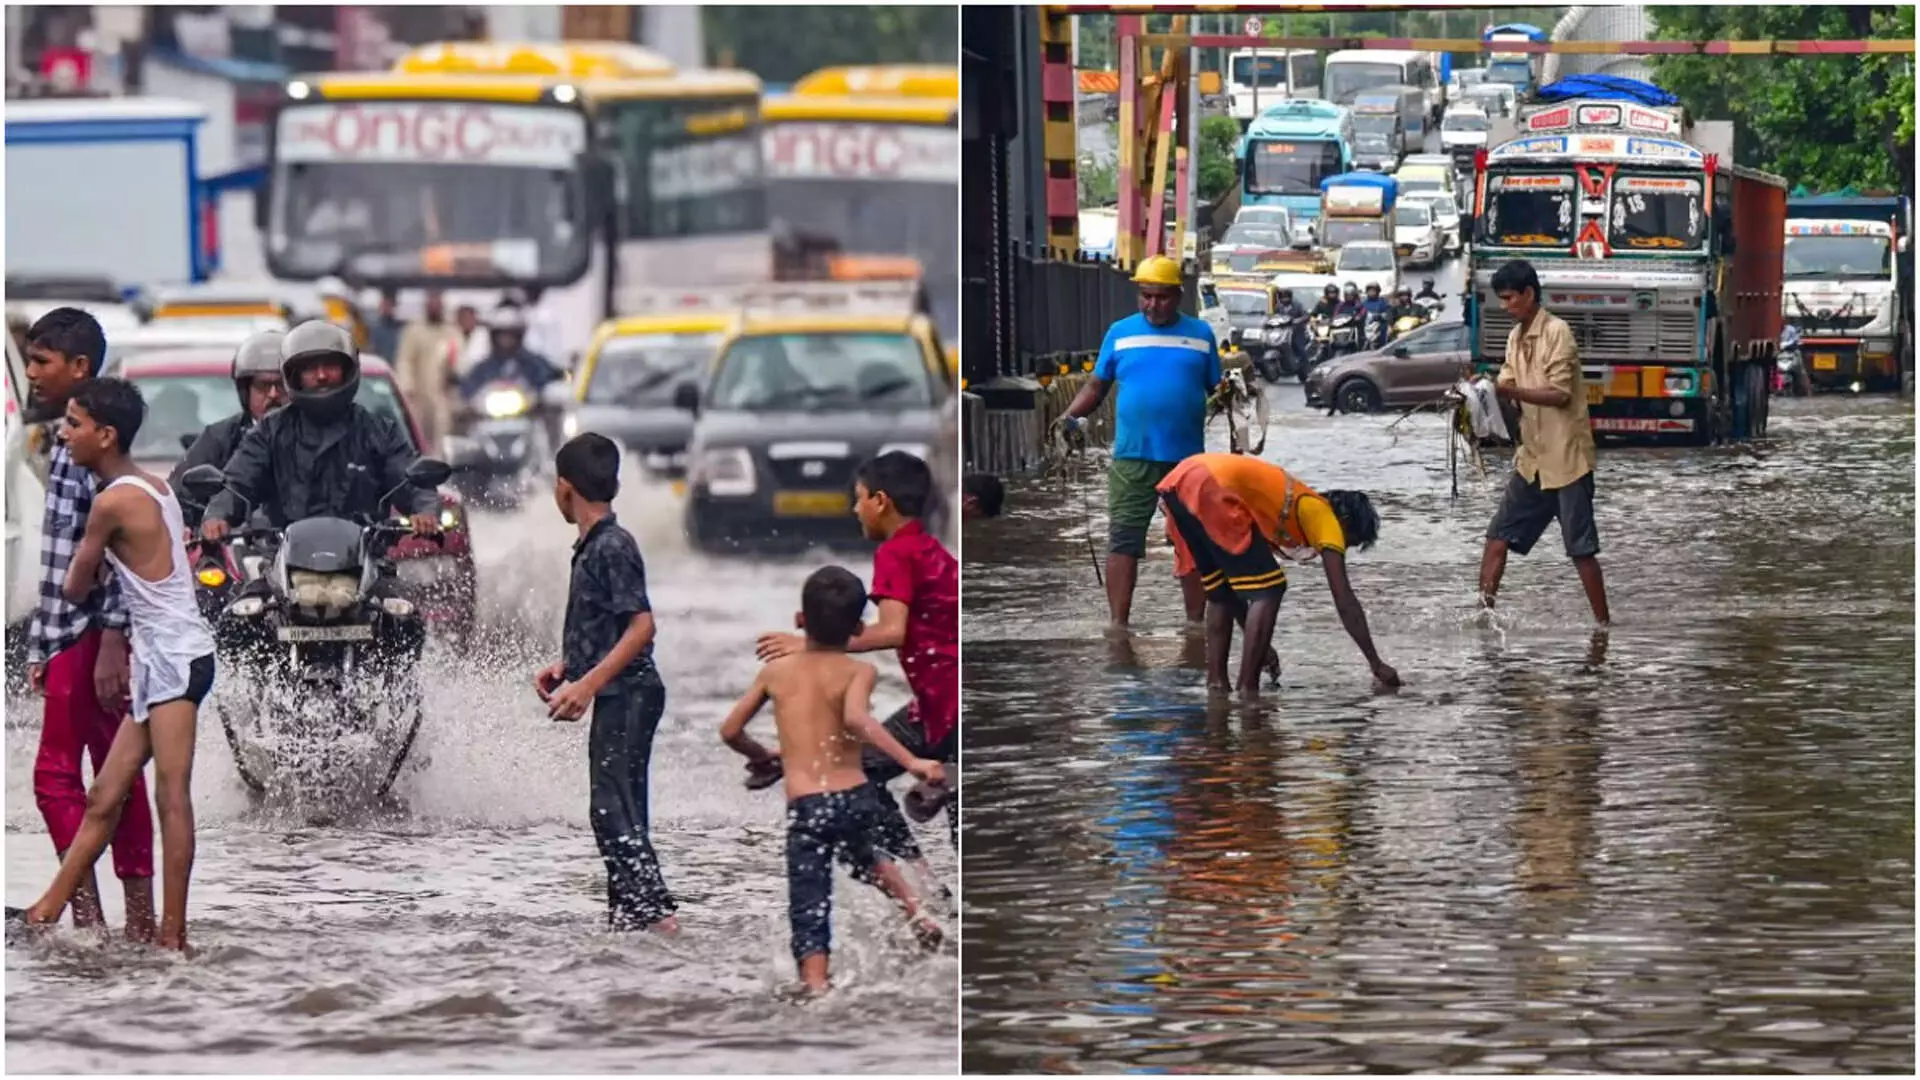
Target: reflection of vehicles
<point>1352,72</point>
<point>1849,288</point>
<point>1368,262</point>
<point>1446,215</point>
<point>1379,132</point>
<point>794,403</point>
<point>1462,131</point>
<point>108,187</point>
<point>592,171</point>
<point>1516,69</point>
<point>628,382</point>
<point>1412,370</point>
<point>1416,235</point>
<point>863,166</point>
<point>1247,244</point>
<point>1629,215</point>
<point>187,389</point>
<point>335,651</point>
<point>1355,207</point>
<point>1276,75</point>
<point>1288,150</point>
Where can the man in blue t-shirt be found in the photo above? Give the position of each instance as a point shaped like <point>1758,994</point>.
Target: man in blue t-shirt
<point>1166,365</point>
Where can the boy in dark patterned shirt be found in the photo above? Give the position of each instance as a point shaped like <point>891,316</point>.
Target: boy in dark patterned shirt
<point>607,664</point>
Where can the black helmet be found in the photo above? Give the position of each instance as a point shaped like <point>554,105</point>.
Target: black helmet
<point>318,339</point>
<point>258,355</point>
<point>1330,290</point>
<point>1427,284</point>
<point>1351,290</point>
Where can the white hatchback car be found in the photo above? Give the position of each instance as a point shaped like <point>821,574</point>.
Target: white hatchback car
<point>1445,214</point>
<point>1368,262</point>
<point>1416,235</point>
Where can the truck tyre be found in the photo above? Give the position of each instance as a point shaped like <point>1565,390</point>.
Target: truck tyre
<point>1741,404</point>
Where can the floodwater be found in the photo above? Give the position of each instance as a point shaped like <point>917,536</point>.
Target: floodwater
<point>466,930</point>
<point>1685,848</point>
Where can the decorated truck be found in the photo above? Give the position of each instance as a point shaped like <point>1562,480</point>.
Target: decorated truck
<point>1849,288</point>
<point>1661,254</point>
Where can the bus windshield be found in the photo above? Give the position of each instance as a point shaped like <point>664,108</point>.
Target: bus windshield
<point>357,191</point>
<point>1271,72</point>
<point>1344,82</point>
<point>1839,257</point>
<point>1529,210</point>
<point>1658,213</point>
<point>1276,167</point>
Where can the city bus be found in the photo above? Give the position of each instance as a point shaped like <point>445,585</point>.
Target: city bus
<point>863,166</point>
<point>1352,72</point>
<point>593,175</point>
<point>1288,149</point>
<point>1276,75</point>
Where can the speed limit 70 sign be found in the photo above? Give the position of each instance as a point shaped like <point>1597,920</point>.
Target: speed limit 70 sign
<point>1253,26</point>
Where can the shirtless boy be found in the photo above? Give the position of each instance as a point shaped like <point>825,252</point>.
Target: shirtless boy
<point>823,709</point>
<point>136,526</point>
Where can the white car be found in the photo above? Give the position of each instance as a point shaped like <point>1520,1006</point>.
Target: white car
<point>1445,214</point>
<point>1278,216</point>
<point>1416,235</point>
<point>1463,129</point>
<point>1368,262</point>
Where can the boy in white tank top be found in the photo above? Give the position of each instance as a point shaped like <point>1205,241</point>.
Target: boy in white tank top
<point>137,527</point>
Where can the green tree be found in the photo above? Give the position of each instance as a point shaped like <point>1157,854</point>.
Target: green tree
<point>1822,121</point>
<point>782,44</point>
<point>1218,134</point>
<point>1099,183</point>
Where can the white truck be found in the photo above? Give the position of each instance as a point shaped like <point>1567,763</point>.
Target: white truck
<point>108,187</point>
<point>1849,288</point>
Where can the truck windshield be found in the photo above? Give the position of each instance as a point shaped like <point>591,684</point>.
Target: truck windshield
<point>1529,210</point>
<point>1660,213</point>
<point>1374,123</point>
<point>1839,257</point>
<point>1278,167</point>
<point>1335,232</point>
<point>1344,82</point>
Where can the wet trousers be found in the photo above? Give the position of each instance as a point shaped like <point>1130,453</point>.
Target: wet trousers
<point>75,723</point>
<point>894,837</point>
<point>620,749</point>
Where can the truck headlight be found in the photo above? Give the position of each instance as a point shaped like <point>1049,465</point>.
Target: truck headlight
<point>727,472</point>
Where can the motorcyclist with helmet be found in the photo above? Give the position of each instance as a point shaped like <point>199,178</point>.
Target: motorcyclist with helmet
<point>509,358</point>
<point>325,455</point>
<point>1403,306</point>
<point>1426,291</point>
<point>1287,306</point>
<point>1375,304</point>
<point>256,377</point>
<point>1349,301</point>
<point>1329,302</point>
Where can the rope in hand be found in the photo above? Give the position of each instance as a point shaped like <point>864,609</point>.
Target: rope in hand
<point>1067,458</point>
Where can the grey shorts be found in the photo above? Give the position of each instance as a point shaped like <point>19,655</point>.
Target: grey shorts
<point>1526,509</point>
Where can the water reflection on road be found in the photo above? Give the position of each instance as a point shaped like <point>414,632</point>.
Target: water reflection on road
<point>1686,847</point>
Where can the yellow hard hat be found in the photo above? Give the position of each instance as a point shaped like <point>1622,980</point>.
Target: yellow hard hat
<point>1157,270</point>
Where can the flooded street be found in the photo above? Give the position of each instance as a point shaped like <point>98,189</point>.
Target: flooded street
<point>1686,848</point>
<point>466,931</point>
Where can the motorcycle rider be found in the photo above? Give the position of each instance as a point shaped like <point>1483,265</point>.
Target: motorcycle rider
<point>1287,307</point>
<point>1349,301</point>
<point>509,358</point>
<point>256,377</point>
<point>324,455</point>
<point>1426,291</point>
<point>1329,302</point>
<point>1375,304</point>
<point>1403,306</point>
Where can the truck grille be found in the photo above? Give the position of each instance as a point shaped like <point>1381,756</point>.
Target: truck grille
<point>1608,336</point>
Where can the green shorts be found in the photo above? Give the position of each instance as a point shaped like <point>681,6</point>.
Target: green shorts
<point>1132,496</point>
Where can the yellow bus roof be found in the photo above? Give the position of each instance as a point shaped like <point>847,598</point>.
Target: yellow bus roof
<point>529,88</point>
<point>900,110</point>
<point>569,60</point>
<point>890,80</point>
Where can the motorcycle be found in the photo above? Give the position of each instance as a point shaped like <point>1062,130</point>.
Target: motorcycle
<point>1374,334</point>
<point>1790,368</point>
<point>1407,323</point>
<point>505,441</point>
<point>1432,305</point>
<point>330,645</point>
<point>1279,355</point>
<point>1332,338</point>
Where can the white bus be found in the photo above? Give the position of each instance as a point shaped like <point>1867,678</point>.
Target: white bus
<point>1352,72</point>
<point>1274,76</point>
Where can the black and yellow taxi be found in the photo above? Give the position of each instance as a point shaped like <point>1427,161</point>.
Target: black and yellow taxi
<point>627,381</point>
<point>792,404</point>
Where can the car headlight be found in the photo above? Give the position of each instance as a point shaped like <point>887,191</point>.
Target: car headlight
<point>499,404</point>
<point>919,450</point>
<point>727,472</point>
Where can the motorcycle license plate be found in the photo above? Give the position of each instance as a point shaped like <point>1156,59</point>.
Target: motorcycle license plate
<point>810,503</point>
<point>1825,361</point>
<point>326,633</point>
<point>1596,394</point>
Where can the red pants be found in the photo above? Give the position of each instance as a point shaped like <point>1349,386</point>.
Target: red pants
<point>75,721</point>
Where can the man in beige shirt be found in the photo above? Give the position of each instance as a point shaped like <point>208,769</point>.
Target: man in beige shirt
<point>1553,466</point>
<point>424,369</point>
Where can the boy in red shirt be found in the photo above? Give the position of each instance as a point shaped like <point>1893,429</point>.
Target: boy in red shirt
<point>916,586</point>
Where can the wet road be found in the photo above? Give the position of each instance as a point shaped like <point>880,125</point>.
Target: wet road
<point>466,931</point>
<point>1684,849</point>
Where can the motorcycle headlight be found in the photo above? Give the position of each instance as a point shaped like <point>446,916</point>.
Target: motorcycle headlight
<point>727,472</point>
<point>247,607</point>
<point>323,592</point>
<point>1275,337</point>
<point>570,426</point>
<point>499,404</point>
<point>449,517</point>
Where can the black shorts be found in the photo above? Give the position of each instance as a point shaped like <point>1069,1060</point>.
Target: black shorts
<point>823,828</point>
<point>1253,574</point>
<point>1525,510</point>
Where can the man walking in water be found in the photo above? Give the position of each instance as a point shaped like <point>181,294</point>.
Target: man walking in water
<point>136,526</point>
<point>1553,467</point>
<point>77,650</point>
<point>1166,364</point>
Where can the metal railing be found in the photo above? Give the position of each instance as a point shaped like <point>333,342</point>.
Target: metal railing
<point>1060,311</point>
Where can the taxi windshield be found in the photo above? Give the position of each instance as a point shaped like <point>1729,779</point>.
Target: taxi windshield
<point>646,368</point>
<point>804,372</point>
